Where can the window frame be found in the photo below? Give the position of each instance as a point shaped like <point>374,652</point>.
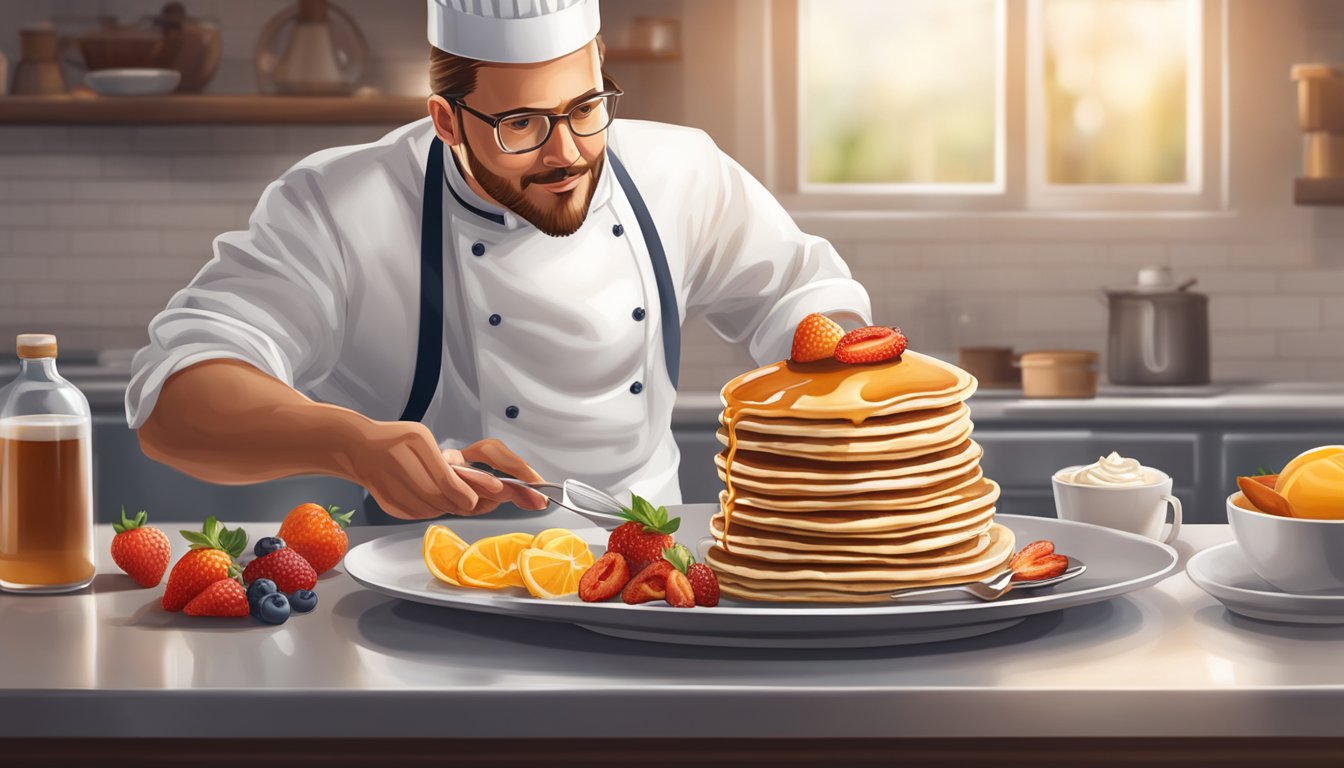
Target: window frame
<point>1020,188</point>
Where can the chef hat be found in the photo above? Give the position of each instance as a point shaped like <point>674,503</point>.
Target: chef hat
<point>512,31</point>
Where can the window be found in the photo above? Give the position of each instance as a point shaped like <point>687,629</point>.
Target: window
<point>919,108</point>
<point>1002,104</point>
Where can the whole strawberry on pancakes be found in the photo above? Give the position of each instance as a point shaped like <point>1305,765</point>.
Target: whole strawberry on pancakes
<point>849,472</point>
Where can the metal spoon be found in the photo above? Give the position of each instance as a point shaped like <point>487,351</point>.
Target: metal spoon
<point>578,497</point>
<point>995,586</point>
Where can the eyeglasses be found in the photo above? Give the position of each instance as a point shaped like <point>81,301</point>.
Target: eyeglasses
<point>523,131</point>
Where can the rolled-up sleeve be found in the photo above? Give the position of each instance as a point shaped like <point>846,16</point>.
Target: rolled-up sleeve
<point>755,274</point>
<point>273,296</point>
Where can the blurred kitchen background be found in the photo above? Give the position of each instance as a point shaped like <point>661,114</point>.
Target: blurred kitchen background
<point>988,169</point>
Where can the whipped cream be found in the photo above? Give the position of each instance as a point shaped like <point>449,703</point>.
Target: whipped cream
<point>1114,471</point>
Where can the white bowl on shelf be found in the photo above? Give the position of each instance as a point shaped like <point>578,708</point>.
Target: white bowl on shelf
<point>133,81</point>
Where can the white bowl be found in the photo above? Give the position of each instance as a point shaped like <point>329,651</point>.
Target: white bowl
<point>133,81</point>
<point>1297,555</point>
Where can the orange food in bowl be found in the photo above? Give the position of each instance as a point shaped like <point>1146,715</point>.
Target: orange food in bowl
<point>1313,483</point>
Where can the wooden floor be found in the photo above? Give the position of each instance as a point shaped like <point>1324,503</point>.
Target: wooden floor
<point>683,753</point>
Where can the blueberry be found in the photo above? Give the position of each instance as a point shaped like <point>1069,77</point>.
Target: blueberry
<point>302,600</point>
<point>268,545</point>
<point>258,589</point>
<point>273,608</point>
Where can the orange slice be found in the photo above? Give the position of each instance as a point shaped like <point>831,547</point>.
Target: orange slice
<point>1264,498</point>
<point>550,534</point>
<point>570,545</point>
<point>442,549</point>
<point>492,562</point>
<point>548,574</point>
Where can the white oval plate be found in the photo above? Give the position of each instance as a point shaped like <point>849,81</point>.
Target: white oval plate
<point>1116,563</point>
<point>1223,572</point>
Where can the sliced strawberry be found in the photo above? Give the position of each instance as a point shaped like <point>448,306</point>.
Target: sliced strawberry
<point>605,578</point>
<point>1046,567</point>
<point>815,338</point>
<point>680,594</point>
<point>648,584</point>
<point>1033,551</point>
<point>225,597</point>
<point>870,344</point>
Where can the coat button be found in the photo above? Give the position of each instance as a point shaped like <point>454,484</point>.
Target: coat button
<point>636,387</point>
<point>478,249</point>
<point>618,230</point>
<point>511,411</point>
<point>496,319</point>
<point>639,313</point>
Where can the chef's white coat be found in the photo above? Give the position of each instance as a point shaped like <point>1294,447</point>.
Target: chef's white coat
<point>322,292</point>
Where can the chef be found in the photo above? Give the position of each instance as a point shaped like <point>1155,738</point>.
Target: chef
<point>503,282</point>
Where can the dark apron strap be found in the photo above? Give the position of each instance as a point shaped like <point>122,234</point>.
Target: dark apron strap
<point>662,276</point>
<point>429,349</point>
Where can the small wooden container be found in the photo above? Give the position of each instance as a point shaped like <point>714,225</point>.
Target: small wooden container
<point>1059,373</point>
<point>1320,97</point>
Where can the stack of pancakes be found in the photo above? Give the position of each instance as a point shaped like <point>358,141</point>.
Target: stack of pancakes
<point>847,482</point>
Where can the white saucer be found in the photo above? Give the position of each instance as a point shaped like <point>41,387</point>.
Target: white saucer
<point>1223,572</point>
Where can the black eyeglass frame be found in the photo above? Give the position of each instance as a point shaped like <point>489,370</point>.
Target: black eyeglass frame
<point>613,92</point>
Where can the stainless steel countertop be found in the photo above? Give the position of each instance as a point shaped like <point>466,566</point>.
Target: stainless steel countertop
<point>1165,661</point>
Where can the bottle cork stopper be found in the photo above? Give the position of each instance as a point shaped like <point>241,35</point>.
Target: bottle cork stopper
<point>32,346</point>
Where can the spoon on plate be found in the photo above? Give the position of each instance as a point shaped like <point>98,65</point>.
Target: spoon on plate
<point>995,586</point>
<point>575,495</point>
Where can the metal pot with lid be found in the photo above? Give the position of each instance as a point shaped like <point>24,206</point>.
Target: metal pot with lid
<point>1158,331</point>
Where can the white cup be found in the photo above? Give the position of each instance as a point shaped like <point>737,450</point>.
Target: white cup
<point>1140,509</point>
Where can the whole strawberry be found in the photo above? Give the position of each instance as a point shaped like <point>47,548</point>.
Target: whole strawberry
<point>704,583</point>
<point>815,338</point>
<point>643,539</point>
<point>285,567</point>
<point>225,597</point>
<point>211,558</point>
<point>142,552</point>
<point>318,534</point>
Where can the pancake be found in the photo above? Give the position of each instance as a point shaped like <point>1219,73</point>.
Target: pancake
<point>813,592</point>
<point>842,526</point>
<point>829,389</point>
<point>881,448</point>
<point>843,577</point>
<point>895,424</point>
<point>879,501</point>
<point>772,545</point>
<point>827,489</point>
<point>767,465</point>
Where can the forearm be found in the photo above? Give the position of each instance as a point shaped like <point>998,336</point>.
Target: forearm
<point>224,421</point>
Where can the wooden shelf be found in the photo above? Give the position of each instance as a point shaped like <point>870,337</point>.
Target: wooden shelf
<point>193,109</point>
<point>1318,191</point>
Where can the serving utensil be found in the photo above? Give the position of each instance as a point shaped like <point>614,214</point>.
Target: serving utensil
<point>995,586</point>
<point>574,495</point>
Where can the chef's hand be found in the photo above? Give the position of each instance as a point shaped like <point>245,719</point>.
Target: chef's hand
<point>495,454</point>
<point>401,464</point>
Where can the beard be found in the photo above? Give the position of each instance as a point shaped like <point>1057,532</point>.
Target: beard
<point>561,218</point>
